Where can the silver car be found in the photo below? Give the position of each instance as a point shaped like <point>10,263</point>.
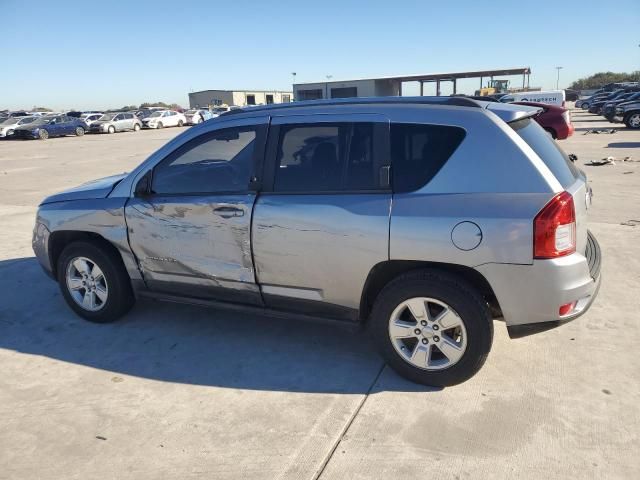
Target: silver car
<point>116,122</point>
<point>422,218</point>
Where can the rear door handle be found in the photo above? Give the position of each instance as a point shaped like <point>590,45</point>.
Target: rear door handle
<point>229,212</point>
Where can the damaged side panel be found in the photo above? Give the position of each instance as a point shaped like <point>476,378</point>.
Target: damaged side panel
<point>197,246</point>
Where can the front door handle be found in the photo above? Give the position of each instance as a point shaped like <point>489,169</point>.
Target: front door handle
<point>229,212</point>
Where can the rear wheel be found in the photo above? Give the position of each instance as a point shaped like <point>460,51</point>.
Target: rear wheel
<point>43,134</point>
<point>432,328</point>
<point>94,282</point>
<point>79,131</point>
<point>136,127</point>
<point>633,121</point>
<point>111,129</point>
<point>180,123</point>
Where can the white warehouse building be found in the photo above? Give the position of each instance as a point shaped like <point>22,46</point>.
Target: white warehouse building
<point>238,98</point>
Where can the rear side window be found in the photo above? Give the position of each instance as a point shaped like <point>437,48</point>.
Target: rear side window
<point>548,150</point>
<point>327,157</point>
<point>418,152</point>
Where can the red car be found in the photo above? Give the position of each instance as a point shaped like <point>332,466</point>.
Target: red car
<point>555,120</point>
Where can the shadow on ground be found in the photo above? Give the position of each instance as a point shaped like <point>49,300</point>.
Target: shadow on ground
<point>185,344</point>
<point>624,145</point>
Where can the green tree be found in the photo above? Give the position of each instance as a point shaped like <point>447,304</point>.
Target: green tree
<point>599,79</point>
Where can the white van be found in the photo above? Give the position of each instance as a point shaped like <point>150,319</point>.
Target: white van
<point>551,97</point>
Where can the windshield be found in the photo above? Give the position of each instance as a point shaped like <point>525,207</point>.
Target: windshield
<point>549,152</point>
<point>43,120</point>
<point>25,120</point>
<point>107,117</point>
<point>191,112</point>
<point>156,114</point>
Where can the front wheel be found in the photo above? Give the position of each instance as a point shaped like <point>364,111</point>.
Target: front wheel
<point>94,282</point>
<point>79,131</point>
<point>160,125</point>
<point>111,129</point>
<point>633,121</point>
<point>136,127</point>
<point>432,328</point>
<point>585,106</point>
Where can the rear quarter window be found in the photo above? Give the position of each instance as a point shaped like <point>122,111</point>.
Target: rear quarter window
<point>548,150</point>
<point>418,152</point>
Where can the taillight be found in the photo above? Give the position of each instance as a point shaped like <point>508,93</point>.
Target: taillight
<point>554,228</point>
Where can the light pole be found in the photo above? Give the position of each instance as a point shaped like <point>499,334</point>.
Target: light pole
<point>558,78</point>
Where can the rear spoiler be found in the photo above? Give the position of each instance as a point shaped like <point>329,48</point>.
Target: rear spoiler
<point>512,113</point>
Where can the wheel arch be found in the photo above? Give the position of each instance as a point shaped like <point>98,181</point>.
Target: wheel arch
<point>382,273</point>
<point>58,240</point>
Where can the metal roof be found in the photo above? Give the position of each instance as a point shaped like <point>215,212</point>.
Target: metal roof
<point>436,76</point>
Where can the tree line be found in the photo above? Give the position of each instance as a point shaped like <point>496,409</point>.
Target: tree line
<point>602,78</point>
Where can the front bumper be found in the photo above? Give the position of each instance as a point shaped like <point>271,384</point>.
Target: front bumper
<point>40,245</point>
<point>530,295</point>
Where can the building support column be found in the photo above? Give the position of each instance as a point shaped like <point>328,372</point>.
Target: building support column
<point>455,90</point>
<point>399,89</point>
<point>438,88</point>
<point>421,88</point>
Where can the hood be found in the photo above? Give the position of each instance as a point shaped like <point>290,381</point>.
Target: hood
<point>101,122</point>
<point>29,126</point>
<point>94,189</point>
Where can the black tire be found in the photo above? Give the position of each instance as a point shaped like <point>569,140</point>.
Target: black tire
<point>136,127</point>
<point>459,295</point>
<point>180,123</point>
<point>111,129</point>
<point>629,117</point>
<point>43,134</point>
<point>551,132</point>
<point>585,106</point>
<point>79,131</point>
<point>159,125</point>
<point>120,297</point>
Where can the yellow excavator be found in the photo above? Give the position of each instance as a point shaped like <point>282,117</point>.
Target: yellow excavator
<point>495,86</point>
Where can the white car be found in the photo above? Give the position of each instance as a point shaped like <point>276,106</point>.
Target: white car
<point>9,125</point>
<point>550,97</point>
<point>164,118</point>
<point>89,118</point>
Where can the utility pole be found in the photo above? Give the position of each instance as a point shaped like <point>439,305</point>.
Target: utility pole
<point>558,78</point>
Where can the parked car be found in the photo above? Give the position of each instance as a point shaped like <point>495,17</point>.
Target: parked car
<point>549,97</point>
<point>90,118</point>
<point>488,220</point>
<point>51,126</point>
<point>629,114</point>
<point>164,118</point>
<point>596,106</point>
<point>587,102</point>
<point>8,125</point>
<point>555,120</point>
<point>195,116</point>
<point>116,122</point>
<point>571,95</point>
<point>608,110</point>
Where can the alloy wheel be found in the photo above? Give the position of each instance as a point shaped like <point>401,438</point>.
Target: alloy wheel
<point>427,333</point>
<point>87,284</point>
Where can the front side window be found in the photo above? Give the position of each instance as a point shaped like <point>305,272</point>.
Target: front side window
<point>327,157</point>
<point>216,162</point>
<point>419,151</point>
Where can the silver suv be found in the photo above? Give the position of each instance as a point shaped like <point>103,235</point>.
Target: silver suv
<point>422,218</point>
<point>116,122</point>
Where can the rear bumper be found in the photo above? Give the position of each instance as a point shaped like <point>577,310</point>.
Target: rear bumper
<point>530,295</point>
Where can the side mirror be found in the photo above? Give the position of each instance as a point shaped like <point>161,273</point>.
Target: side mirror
<point>143,187</point>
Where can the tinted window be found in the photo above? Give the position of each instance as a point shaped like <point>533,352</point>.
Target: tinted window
<point>326,157</point>
<point>418,152</point>
<point>548,150</point>
<point>213,163</point>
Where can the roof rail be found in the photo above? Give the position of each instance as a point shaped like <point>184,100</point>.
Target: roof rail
<point>449,101</point>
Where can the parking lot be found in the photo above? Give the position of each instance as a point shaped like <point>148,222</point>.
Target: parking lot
<point>176,391</point>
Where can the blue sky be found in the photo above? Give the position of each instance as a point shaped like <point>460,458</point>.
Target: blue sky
<point>96,54</point>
